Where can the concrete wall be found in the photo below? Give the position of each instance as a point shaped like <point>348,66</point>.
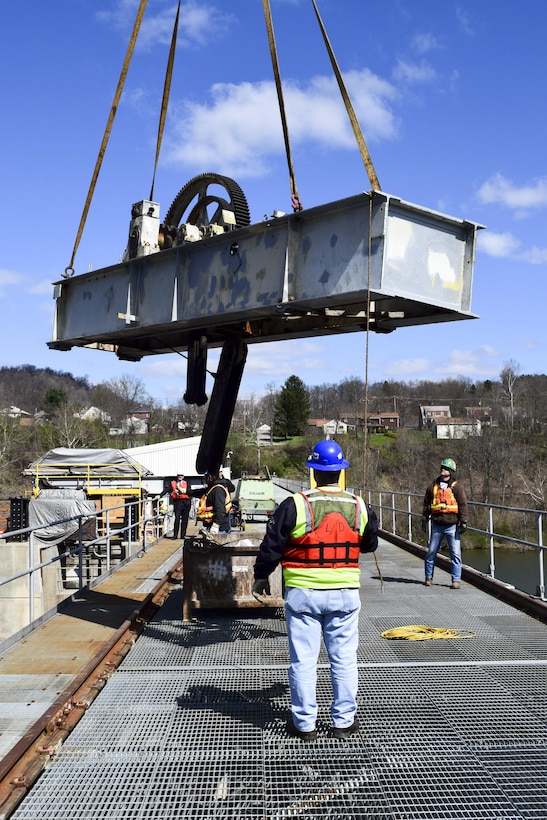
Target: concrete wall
<point>14,596</point>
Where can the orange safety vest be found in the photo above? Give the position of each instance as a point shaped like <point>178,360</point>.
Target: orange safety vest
<point>179,489</point>
<point>323,537</point>
<point>443,501</point>
<point>204,512</point>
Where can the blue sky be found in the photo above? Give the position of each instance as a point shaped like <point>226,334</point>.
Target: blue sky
<point>451,99</point>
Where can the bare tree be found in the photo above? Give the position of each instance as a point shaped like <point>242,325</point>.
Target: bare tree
<point>118,397</point>
<point>509,375</point>
<point>269,401</point>
<point>253,416</point>
<point>535,489</point>
<point>68,429</point>
<point>11,435</point>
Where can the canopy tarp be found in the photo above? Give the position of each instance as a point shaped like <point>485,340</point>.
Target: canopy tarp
<point>64,461</point>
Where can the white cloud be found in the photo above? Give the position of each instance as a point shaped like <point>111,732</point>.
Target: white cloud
<point>469,362</point>
<point>9,278</point>
<point>463,19</point>
<point>240,128</point>
<point>482,363</point>
<point>276,362</point>
<point>488,350</point>
<point>267,363</point>
<point>423,43</point>
<point>531,344</point>
<point>497,244</point>
<point>535,256</point>
<point>41,288</point>
<point>500,191</point>
<point>199,22</point>
<point>505,246</point>
<point>408,368</point>
<point>409,73</point>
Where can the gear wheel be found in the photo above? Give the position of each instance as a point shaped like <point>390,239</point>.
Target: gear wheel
<point>199,187</point>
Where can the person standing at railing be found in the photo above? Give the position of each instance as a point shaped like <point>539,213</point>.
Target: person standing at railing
<point>181,505</point>
<point>445,503</point>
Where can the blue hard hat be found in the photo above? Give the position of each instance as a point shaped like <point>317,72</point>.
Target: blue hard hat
<point>327,455</point>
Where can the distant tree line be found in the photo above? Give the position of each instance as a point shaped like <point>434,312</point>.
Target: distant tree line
<point>507,464</point>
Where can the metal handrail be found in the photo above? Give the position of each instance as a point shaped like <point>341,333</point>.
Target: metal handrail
<point>397,510</point>
<point>386,502</point>
<point>92,475</point>
<point>149,536</point>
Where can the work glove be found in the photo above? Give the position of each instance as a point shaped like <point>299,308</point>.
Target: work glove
<point>261,588</point>
<point>462,526</point>
<point>424,524</point>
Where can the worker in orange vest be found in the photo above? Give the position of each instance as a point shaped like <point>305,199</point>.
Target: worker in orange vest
<point>181,505</point>
<point>215,505</point>
<point>318,536</point>
<point>445,503</point>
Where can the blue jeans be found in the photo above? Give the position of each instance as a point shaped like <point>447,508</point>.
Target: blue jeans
<point>334,615</point>
<point>438,532</point>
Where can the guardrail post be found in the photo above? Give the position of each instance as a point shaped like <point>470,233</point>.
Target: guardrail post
<point>491,533</point>
<point>31,576</point>
<point>108,539</point>
<point>80,554</point>
<point>381,511</point>
<point>409,509</point>
<point>129,529</point>
<point>541,586</point>
<point>393,515</point>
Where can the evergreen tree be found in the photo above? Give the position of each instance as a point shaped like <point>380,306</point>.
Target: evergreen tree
<point>292,408</point>
<point>54,399</point>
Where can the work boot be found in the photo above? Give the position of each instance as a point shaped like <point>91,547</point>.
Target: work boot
<point>294,732</point>
<point>455,585</point>
<point>342,733</point>
<point>428,582</point>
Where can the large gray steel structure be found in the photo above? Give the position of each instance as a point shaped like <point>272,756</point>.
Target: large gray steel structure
<point>370,262</point>
<point>297,275</point>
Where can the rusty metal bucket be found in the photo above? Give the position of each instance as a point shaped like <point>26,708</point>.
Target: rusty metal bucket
<point>218,572</point>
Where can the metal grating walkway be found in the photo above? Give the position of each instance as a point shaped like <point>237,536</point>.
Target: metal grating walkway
<point>192,724</point>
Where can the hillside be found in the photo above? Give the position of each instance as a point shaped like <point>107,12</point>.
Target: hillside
<point>27,387</point>
<point>506,463</point>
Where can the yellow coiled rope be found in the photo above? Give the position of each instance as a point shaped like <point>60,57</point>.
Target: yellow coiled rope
<point>421,632</point>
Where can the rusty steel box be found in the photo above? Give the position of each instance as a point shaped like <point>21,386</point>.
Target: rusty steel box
<point>218,572</point>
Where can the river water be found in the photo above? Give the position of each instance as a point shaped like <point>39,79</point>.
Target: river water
<point>521,569</point>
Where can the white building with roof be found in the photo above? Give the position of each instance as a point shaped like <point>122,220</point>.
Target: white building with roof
<point>168,457</point>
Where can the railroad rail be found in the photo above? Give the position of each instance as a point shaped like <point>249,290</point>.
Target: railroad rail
<point>79,647</point>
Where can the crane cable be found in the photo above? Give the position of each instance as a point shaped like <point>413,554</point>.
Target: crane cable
<point>375,184</point>
<point>365,155</point>
<point>69,270</point>
<point>295,199</point>
<point>367,339</point>
<point>373,179</point>
<point>422,632</point>
<point>165,99</point>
